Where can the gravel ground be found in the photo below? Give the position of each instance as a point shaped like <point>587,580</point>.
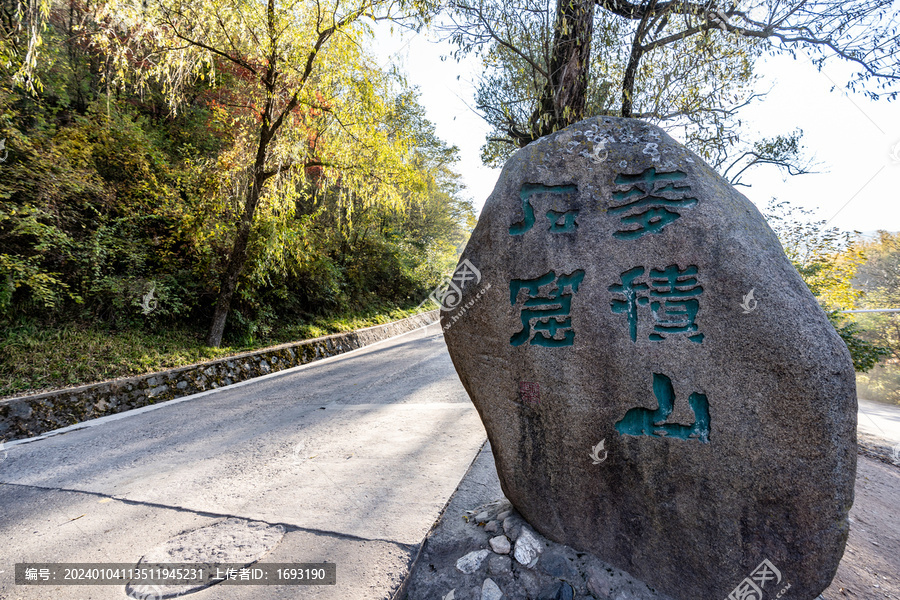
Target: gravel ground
<point>871,565</point>
<point>463,559</point>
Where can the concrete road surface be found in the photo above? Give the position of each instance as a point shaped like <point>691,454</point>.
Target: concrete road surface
<point>349,460</point>
<point>352,457</point>
<point>880,420</point>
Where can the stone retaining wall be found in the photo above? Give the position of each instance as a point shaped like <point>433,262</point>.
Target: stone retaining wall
<point>28,416</point>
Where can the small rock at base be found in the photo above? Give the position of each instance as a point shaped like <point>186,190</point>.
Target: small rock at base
<point>499,565</point>
<point>566,592</point>
<point>481,517</point>
<point>470,563</point>
<point>512,526</point>
<point>530,581</point>
<point>500,544</point>
<point>528,548</point>
<point>557,591</point>
<point>490,590</point>
<point>492,527</point>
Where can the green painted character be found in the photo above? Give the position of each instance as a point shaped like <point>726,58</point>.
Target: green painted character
<point>547,316</point>
<point>651,201</point>
<point>671,294</point>
<point>643,421</point>
<point>630,289</point>
<point>673,302</point>
<point>560,221</point>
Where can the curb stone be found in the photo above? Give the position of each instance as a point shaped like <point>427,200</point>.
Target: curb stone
<point>28,416</point>
<point>876,448</point>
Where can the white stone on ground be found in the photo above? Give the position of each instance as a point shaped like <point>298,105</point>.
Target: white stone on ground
<point>490,590</point>
<point>528,548</point>
<point>470,563</point>
<point>500,544</point>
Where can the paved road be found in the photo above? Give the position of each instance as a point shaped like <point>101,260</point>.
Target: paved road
<point>880,420</point>
<point>353,457</point>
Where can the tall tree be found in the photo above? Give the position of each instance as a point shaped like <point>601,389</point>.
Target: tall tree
<point>677,61</point>
<point>276,52</point>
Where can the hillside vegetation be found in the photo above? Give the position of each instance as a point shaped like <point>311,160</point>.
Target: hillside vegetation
<point>120,203</point>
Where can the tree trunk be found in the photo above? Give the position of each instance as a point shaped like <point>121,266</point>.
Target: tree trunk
<point>634,60</point>
<point>565,95</point>
<point>628,81</point>
<point>238,256</point>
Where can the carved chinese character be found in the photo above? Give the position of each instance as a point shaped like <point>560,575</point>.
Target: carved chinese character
<point>643,421</point>
<point>547,313</point>
<point>651,201</point>
<point>670,294</point>
<point>673,304</point>
<point>630,289</point>
<point>560,221</point>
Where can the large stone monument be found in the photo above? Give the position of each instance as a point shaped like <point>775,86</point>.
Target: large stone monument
<point>658,385</point>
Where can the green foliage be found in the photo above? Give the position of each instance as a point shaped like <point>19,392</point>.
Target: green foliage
<point>310,114</point>
<point>864,353</point>
<point>89,214</point>
<point>881,384</point>
<point>37,355</point>
<point>117,216</point>
<point>879,282</point>
<point>827,259</point>
<point>21,39</point>
<point>824,256</point>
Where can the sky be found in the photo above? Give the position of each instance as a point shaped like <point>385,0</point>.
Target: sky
<point>855,141</point>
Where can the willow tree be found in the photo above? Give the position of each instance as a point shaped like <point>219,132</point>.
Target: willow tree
<point>550,63</point>
<point>22,23</point>
<point>286,61</point>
